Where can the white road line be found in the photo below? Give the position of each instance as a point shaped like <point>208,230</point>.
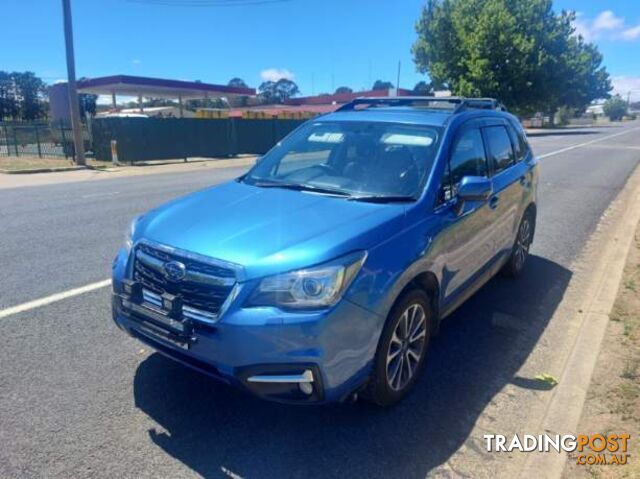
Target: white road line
<point>98,195</point>
<point>53,298</point>
<point>580,145</point>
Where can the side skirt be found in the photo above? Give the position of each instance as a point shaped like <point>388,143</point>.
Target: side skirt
<point>472,288</point>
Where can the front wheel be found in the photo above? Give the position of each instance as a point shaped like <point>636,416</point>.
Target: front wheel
<point>401,350</point>
<point>520,251</point>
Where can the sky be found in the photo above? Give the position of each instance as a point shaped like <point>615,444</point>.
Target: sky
<point>320,44</point>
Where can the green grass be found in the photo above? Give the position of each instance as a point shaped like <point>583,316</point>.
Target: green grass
<point>12,163</point>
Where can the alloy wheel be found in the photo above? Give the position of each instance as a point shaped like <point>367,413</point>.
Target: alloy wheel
<point>406,347</point>
<point>523,241</point>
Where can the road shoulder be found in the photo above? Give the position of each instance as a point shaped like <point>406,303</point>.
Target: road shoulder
<point>613,397</point>
<point>604,263</point>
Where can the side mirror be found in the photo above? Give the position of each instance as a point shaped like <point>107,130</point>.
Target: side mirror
<point>475,188</point>
<point>258,159</point>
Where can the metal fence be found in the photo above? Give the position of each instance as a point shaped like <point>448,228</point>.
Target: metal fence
<point>42,140</point>
<point>144,139</point>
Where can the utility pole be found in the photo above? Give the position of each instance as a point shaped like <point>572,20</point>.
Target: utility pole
<point>398,79</point>
<point>74,105</point>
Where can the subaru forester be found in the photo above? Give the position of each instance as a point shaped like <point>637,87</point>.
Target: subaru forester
<point>324,271</point>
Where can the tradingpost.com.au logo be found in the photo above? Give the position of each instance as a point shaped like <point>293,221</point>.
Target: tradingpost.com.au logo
<point>594,449</point>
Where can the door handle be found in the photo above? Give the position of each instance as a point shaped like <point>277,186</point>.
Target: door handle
<point>493,202</point>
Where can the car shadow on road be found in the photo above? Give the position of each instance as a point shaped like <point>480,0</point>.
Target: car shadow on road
<point>216,431</point>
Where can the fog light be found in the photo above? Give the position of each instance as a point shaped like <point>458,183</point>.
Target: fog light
<point>306,388</point>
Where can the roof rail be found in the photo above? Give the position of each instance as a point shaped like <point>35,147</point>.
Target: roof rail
<point>456,103</point>
<point>481,104</point>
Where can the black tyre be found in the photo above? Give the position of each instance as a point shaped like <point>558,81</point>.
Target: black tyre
<point>402,349</point>
<point>520,252</point>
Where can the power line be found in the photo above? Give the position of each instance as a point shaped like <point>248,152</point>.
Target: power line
<point>207,3</point>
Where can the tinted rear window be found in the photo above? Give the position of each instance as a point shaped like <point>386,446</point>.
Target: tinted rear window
<point>500,150</point>
<point>519,141</point>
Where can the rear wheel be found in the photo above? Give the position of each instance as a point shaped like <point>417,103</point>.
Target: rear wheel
<point>402,349</point>
<point>520,251</point>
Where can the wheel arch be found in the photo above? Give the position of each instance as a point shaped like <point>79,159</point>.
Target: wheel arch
<point>428,282</point>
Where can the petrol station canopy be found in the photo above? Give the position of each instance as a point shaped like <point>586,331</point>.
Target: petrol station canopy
<point>127,85</point>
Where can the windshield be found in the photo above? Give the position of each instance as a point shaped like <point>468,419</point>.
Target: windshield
<point>355,159</point>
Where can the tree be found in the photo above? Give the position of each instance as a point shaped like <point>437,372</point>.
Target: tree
<point>29,91</point>
<point>8,103</point>
<point>286,89</point>
<point>584,79</point>
<point>423,88</point>
<point>278,91</point>
<point>564,115</point>
<point>342,90</point>
<point>518,51</point>
<point>22,95</point>
<point>615,108</point>
<point>155,102</point>
<point>237,83</point>
<point>87,103</point>
<point>382,85</point>
<point>267,91</point>
<point>217,103</point>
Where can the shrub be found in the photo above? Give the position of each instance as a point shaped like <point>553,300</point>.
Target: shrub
<point>564,115</point>
<point>615,108</point>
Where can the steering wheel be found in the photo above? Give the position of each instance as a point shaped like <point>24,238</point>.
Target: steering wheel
<point>328,169</point>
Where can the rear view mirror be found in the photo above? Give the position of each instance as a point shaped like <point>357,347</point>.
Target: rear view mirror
<point>475,188</point>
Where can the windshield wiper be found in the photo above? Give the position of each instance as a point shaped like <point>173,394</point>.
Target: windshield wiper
<point>331,191</point>
<point>383,198</point>
<point>299,187</point>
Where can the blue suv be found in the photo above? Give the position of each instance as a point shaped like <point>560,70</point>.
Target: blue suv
<point>325,270</point>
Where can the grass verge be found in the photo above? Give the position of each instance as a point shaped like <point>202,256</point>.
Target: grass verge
<point>13,163</point>
<point>613,398</point>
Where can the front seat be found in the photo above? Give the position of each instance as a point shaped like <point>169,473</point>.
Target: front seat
<point>393,171</point>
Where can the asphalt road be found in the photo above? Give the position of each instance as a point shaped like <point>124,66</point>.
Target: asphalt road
<point>80,399</point>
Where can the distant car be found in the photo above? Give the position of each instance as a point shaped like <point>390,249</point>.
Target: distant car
<point>325,270</point>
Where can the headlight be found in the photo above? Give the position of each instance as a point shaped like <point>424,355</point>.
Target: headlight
<point>128,237</point>
<point>315,287</point>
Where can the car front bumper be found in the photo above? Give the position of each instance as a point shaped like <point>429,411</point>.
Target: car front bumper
<point>310,357</point>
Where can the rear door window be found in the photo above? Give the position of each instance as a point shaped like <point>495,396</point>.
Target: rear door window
<point>520,146</point>
<point>500,150</point>
<point>519,143</point>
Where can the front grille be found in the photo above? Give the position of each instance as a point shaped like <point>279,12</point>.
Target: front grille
<point>204,289</point>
